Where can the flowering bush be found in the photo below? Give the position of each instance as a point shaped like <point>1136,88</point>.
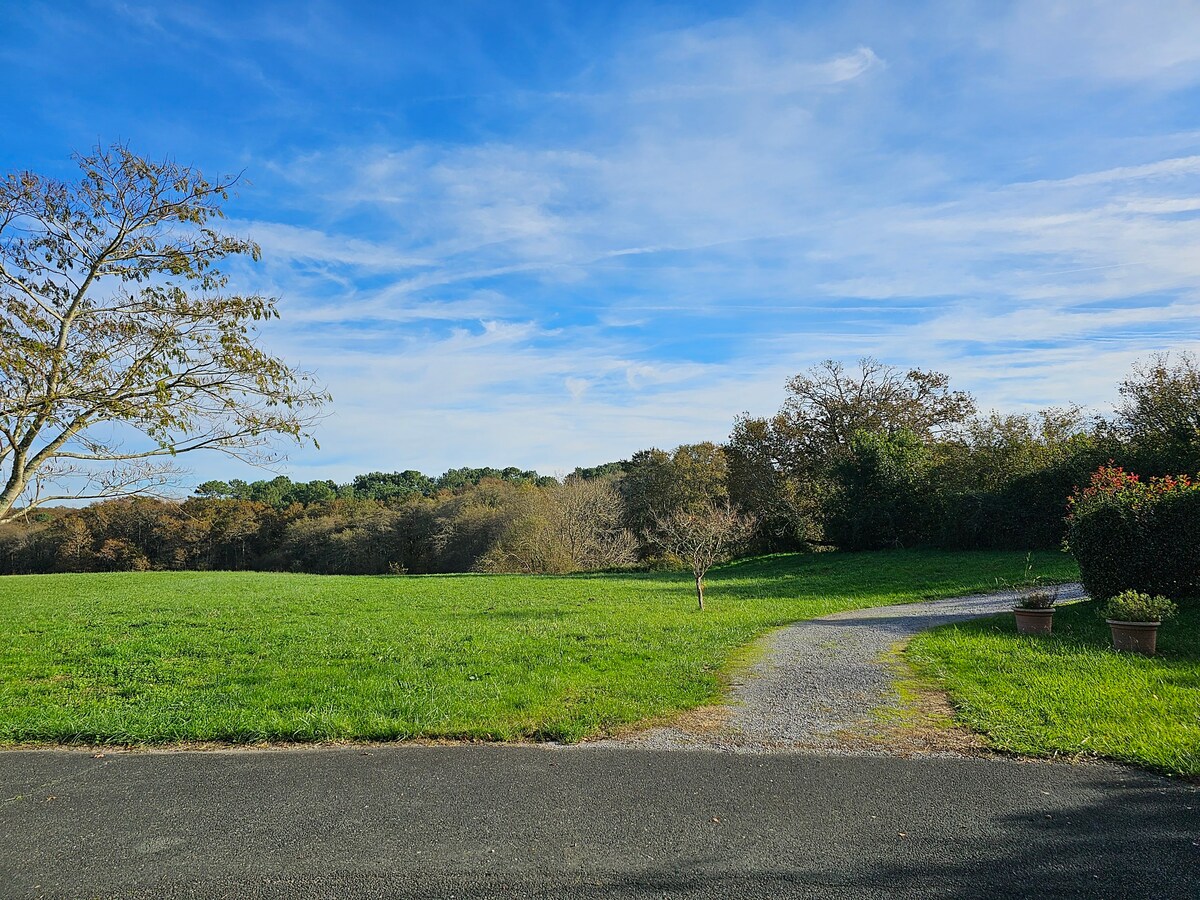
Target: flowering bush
<point>1133,534</point>
<point>1113,482</point>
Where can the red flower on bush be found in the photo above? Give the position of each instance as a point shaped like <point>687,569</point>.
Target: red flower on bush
<point>1130,534</point>
<point>1114,482</point>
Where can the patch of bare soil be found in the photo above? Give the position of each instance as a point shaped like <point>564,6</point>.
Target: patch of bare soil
<point>703,721</point>
<point>920,721</point>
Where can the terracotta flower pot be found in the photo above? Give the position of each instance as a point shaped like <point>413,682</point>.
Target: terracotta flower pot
<point>1134,637</point>
<point>1034,621</point>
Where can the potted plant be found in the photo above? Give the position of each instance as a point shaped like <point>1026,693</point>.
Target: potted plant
<point>1035,611</point>
<point>1134,618</point>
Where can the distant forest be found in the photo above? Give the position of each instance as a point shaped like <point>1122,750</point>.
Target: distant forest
<point>858,459</point>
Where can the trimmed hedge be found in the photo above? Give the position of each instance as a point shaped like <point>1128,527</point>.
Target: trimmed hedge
<point>1129,534</point>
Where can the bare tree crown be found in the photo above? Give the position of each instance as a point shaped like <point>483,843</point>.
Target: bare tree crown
<point>702,535</point>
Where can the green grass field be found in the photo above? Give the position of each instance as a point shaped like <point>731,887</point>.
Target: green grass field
<point>162,657</point>
<point>1069,693</point>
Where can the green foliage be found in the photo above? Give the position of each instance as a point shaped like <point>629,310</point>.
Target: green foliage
<point>657,483</point>
<point>786,508</point>
<point>881,480</point>
<point>1134,606</point>
<point>114,319</point>
<point>867,460</point>
<point>604,470</point>
<point>1068,693</point>
<point>160,657</point>
<point>1159,413</point>
<point>788,470</point>
<point>1129,533</point>
<point>280,492</point>
<point>827,406</point>
<point>394,486</point>
<point>458,479</point>
<point>1006,483</point>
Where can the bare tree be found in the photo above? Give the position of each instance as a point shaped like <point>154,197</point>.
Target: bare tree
<point>119,349</point>
<point>585,518</point>
<point>702,536</point>
<point>827,405</point>
<point>575,526</point>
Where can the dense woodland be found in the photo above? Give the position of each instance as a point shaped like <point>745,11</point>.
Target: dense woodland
<point>859,459</point>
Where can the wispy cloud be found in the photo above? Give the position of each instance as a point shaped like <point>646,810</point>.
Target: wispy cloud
<point>1120,41</point>
<point>730,224</point>
<point>553,238</point>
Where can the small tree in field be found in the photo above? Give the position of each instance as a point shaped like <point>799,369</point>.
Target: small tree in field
<point>119,347</point>
<point>702,536</point>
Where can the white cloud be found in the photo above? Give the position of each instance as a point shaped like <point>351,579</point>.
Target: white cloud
<point>1165,168</point>
<point>1117,40</point>
<point>291,243</point>
<point>725,207</point>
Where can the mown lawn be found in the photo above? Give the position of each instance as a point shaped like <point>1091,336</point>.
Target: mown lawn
<point>162,657</point>
<point>1069,693</point>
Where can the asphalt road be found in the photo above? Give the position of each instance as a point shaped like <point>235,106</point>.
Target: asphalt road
<point>491,821</point>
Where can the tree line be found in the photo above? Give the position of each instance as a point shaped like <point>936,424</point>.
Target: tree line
<point>856,458</point>
<point>123,347</point>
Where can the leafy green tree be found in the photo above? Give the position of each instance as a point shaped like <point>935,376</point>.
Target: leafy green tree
<point>276,492</point>
<point>1004,483</point>
<point>881,485</point>
<point>457,479</point>
<point>795,454</point>
<point>657,482</point>
<point>119,348</point>
<point>391,486</point>
<point>604,470</point>
<point>312,492</point>
<point>788,510</point>
<point>213,489</point>
<point>826,406</point>
<point>240,490</point>
<point>1159,413</point>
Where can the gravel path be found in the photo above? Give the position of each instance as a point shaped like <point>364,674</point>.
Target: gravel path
<point>829,684</point>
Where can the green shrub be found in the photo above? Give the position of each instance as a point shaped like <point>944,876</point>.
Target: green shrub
<point>1134,606</point>
<point>880,503</point>
<point>1040,598</point>
<point>1129,534</point>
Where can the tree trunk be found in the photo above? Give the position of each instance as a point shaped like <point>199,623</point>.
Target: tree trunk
<point>700,590</point>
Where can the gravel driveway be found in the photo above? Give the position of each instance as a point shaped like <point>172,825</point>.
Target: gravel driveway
<point>829,684</point>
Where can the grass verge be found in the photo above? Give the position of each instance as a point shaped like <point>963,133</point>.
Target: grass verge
<point>1069,693</point>
<point>246,657</point>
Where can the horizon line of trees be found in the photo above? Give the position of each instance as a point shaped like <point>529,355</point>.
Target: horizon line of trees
<point>856,459</point>
<point>281,491</point>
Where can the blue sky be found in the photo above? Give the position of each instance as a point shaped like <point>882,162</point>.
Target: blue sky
<point>552,234</point>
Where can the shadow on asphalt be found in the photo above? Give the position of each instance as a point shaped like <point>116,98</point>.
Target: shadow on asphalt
<point>1140,845</point>
<point>510,822</point>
